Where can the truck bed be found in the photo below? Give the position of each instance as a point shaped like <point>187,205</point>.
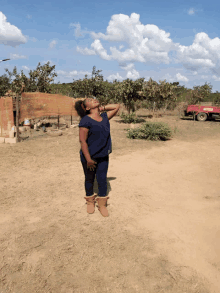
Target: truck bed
<point>203,108</point>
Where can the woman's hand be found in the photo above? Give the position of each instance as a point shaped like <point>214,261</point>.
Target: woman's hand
<point>101,108</point>
<point>91,165</point>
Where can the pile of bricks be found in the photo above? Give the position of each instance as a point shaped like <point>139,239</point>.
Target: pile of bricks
<point>7,140</point>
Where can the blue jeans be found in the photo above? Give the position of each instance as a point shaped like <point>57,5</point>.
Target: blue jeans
<point>101,175</point>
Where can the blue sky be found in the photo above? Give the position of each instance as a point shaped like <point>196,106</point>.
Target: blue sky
<point>172,40</point>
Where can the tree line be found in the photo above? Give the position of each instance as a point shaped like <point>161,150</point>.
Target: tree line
<point>132,93</point>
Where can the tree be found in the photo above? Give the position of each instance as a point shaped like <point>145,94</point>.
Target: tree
<point>178,89</point>
<point>94,86</point>
<point>39,79</point>
<point>98,86</point>
<point>216,98</point>
<point>111,93</point>
<point>82,87</point>
<point>159,95</point>
<point>129,92</point>
<point>200,93</point>
<point>64,89</point>
<point>4,84</point>
<point>17,81</point>
<point>167,94</point>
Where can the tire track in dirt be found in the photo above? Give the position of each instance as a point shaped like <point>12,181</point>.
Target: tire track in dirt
<point>164,191</point>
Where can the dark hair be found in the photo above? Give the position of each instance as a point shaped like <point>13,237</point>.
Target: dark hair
<point>79,109</point>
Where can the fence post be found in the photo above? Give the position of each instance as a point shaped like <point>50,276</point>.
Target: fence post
<point>17,118</point>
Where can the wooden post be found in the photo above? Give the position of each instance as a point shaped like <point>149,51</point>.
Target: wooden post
<point>154,108</point>
<point>17,118</point>
<point>194,118</point>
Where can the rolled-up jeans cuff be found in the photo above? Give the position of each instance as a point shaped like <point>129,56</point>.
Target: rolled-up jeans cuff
<point>94,194</point>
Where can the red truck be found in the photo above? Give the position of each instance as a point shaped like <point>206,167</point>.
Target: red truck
<point>202,113</point>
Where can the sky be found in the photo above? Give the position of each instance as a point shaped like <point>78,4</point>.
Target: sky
<point>163,40</point>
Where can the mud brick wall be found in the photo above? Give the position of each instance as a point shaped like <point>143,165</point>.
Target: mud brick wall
<point>6,116</point>
<point>35,105</point>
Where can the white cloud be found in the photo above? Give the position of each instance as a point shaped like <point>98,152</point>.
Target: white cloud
<point>180,77</point>
<point>85,72</point>
<point>191,11</point>
<point>32,39</point>
<point>146,43</point>
<point>127,55</point>
<point>98,48</point>
<point>25,67</point>
<point>149,44</point>
<point>51,62</point>
<point>10,35</point>
<point>52,44</point>
<point>216,78</point>
<point>177,77</point>
<point>127,67</point>
<point>133,74</point>
<point>115,76</point>
<point>72,73</point>
<point>168,78</point>
<point>17,56</point>
<point>67,74</point>
<point>85,51</point>
<point>204,76</point>
<point>61,72</point>
<point>203,53</point>
<point>78,32</point>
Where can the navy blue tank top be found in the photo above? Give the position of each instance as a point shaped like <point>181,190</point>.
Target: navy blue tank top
<point>99,138</point>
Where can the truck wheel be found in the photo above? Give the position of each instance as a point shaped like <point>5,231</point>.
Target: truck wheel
<point>202,116</point>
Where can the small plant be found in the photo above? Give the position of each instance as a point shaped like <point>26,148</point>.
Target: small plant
<point>175,129</point>
<point>129,118</point>
<point>151,131</point>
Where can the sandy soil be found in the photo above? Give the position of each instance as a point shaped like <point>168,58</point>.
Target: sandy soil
<point>162,233</point>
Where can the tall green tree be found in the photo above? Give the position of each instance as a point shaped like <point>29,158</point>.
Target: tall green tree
<point>39,80</point>
<point>62,88</point>
<point>17,80</point>
<point>4,84</point>
<point>159,95</point>
<point>215,98</point>
<point>128,92</point>
<point>82,87</point>
<point>94,86</point>
<point>200,93</point>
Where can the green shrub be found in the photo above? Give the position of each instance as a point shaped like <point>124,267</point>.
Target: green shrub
<point>129,118</point>
<point>151,131</point>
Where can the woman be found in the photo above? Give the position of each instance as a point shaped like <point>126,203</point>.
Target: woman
<point>96,145</point>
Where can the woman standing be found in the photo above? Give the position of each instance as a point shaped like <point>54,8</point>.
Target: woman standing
<point>96,145</point>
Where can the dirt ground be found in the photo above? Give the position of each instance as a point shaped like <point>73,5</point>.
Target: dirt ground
<point>162,233</point>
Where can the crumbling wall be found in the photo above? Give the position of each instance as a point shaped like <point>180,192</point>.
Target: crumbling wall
<point>35,105</point>
<point>6,116</point>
